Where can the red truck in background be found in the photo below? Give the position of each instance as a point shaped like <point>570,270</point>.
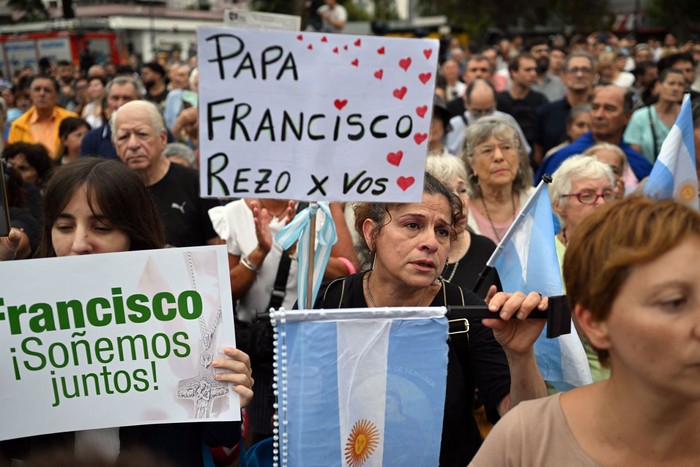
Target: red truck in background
<point>25,49</point>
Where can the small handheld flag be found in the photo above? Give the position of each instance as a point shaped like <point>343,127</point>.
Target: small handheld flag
<point>526,261</point>
<point>674,174</point>
<point>360,387</point>
<point>312,263</point>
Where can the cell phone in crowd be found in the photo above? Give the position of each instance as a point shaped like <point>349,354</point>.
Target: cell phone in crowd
<point>4,209</point>
<point>189,99</point>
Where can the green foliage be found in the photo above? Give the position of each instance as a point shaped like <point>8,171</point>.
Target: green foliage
<point>34,9</point>
<point>385,10</point>
<point>287,7</point>
<point>476,16</point>
<point>354,13</point>
<point>297,7</point>
<point>681,17</point>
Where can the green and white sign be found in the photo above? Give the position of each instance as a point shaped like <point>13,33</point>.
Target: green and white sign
<point>114,340</point>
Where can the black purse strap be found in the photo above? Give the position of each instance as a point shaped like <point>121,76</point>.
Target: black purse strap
<point>280,288</point>
<point>653,133</point>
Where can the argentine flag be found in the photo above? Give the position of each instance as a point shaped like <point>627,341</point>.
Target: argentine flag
<point>361,387</point>
<point>674,173</point>
<point>526,260</point>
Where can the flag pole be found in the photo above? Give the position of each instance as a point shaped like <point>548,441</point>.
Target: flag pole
<point>312,255</point>
<point>546,179</point>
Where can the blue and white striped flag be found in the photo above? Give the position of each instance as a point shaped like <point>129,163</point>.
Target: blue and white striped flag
<point>674,173</point>
<point>361,387</point>
<point>526,260</point>
<point>299,231</point>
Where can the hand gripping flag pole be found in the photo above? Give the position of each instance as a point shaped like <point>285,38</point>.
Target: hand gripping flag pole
<point>490,264</point>
<point>558,315</point>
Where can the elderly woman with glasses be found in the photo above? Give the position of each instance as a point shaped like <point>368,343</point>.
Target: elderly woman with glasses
<point>498,175</point>
<point>579,186</point>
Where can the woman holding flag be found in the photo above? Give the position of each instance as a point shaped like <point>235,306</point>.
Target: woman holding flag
<point>409,245</point>
<point>633,283</point>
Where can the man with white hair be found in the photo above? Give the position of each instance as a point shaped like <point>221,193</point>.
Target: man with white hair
<point>140,137</point>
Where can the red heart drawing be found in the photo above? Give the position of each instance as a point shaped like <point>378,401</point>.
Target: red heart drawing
<point>300,37</point>
<point>405,182</point>
<point>310,47</point>
<point>399,93</point>
<point>420,137</point>
<point>394,158</point>
<point>427,52</point>
<point>381,50</point>
<point>355,62</point>
<point>324,39</point>
<point>405,63</point>
<point>357,43</point>
<point>340,103</point>
<point>378,74</point>
<point>345,47</point>
<point>425,77</point>
<point>421,111</point>
<point>335,51</point>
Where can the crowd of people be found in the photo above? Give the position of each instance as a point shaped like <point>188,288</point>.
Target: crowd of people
<point>105,159</point>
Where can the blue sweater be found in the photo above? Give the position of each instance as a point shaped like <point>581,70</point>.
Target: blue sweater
<point>638,163</point>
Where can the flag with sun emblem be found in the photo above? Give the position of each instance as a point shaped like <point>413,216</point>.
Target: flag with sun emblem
<point>674,174</point>
<point>361,388</point>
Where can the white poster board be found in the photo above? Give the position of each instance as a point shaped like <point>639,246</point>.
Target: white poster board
<point>260,20</point>
<point>313,116</point>
<point>114,340</point>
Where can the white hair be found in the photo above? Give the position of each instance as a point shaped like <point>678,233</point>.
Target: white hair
<point>576,168</point>
<point>157,120</point>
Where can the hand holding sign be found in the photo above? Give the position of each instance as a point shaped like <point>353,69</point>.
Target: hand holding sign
<point>312,116</point>
<point>238,372</point>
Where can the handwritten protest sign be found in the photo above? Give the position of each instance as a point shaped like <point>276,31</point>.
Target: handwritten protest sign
<point>314,116</point>
<point>114,340</point>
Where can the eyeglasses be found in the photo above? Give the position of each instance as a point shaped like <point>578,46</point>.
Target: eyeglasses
<point>577,70</point>
<point>590,197</point>
<point>489,150</point>
<point>478,113</point>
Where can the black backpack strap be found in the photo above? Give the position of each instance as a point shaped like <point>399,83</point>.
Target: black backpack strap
<point>653,132</point>
<point>280,288</point>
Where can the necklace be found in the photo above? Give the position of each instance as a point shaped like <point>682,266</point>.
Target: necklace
<point>488,215</point>
<point>369,293</point>
<point>203,388</point>
<point>452,274</point>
